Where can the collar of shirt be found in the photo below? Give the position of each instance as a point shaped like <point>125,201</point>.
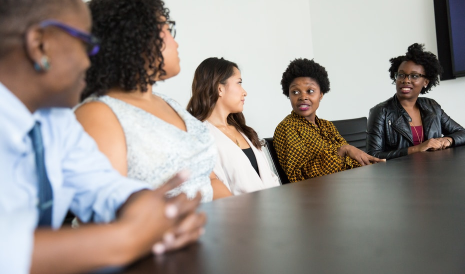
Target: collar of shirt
<point>82,178</point>
<point>303,120</point>
<point>17,119</point>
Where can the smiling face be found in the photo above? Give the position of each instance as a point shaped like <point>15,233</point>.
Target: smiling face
<point>305,96</point>
<point>409,89</point>
<point>232,94</point>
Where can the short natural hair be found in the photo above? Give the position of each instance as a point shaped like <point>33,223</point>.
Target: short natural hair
<point>419,56</point>
<point>305,68</point>
<point>17,15</point>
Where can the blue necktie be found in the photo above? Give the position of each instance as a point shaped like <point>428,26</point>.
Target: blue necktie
<point>45,189</point>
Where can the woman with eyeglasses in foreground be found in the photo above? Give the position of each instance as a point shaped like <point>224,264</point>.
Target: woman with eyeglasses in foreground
<point>50,165</point>
<point>405,123</point>
<point>308,146</point>
<point>218,100</point>
<point>145,135</point>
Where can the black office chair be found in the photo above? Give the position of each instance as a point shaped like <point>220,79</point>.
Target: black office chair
<point>274,157</point>
<point>354,131</point>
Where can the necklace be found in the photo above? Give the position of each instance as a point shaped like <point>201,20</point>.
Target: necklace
<point>226,132</point>
<point>418,136</point>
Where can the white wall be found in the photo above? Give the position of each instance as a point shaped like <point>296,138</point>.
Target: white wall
<point>355,39</point>
<point>261,36</point>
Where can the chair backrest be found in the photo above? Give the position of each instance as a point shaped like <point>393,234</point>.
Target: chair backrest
<point>274,157</point>
<point>354,131</point>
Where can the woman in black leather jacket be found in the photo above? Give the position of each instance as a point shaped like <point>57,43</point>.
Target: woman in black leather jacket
<point>406,124</point>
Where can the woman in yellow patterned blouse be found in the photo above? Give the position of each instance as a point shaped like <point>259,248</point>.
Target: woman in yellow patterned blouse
<point>307,146</point>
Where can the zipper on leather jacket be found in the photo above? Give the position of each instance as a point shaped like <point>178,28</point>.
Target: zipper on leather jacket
<point>389,122</point>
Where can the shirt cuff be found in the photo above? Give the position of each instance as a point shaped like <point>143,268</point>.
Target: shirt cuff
<point>105,209</point>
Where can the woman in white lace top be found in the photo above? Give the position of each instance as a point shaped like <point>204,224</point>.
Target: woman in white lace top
<point>144,134</point>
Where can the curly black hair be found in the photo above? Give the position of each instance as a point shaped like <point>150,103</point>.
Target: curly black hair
<point>129,31</point>
<point>419,56</point>
<point>305,68</point>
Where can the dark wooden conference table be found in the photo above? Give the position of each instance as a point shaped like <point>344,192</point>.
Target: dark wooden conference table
<point>403,216</point>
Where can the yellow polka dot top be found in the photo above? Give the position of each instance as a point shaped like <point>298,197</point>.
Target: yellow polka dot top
<point>306,150</point>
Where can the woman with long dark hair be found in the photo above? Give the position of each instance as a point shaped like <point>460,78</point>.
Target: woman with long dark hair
<point>218,100</point>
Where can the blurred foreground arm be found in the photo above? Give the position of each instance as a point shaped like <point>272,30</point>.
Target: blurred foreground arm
<point>143,221</point>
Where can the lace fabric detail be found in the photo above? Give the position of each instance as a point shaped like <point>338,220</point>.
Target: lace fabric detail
<point>157,150</point>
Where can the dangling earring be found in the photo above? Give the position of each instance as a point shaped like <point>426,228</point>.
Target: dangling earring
<point>43,66</point>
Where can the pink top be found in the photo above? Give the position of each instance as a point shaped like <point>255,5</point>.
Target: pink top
<point>417,133</point>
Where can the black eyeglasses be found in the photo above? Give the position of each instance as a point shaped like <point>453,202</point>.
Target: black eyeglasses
<point>412,76</point>
<point>171,28</point>
<point>92,42</point>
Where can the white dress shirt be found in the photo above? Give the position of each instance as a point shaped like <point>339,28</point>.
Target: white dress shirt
<point>16,238</point>
<point>234,169</point>
<point>82,178</point>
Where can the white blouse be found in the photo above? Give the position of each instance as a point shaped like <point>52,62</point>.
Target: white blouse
<point>234,169</point>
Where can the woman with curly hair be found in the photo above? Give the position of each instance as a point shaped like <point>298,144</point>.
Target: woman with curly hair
<point>218,100</point>
<point>145,135</point>
<point>51,166</point>
<point>405,123</point>
<point>308,146</point>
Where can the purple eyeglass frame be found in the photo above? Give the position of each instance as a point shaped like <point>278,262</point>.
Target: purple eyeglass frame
<point>93,43</point>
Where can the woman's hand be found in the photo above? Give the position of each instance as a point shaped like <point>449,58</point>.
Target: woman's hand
<point>188,228</point>
<point>159,223</point>
<point>430,144</point>
<point>445,141</point>
<point>358,155</point>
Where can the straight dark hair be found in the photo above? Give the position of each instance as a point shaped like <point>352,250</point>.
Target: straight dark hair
<point>208,76</point>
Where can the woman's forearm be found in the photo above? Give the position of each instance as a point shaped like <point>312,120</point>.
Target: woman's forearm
<point>219,189</point>
<point>81,250</point>
<point>342,151</point>
<point>413,149</point>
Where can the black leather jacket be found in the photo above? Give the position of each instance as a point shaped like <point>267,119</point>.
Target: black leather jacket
<point>389,134</point>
